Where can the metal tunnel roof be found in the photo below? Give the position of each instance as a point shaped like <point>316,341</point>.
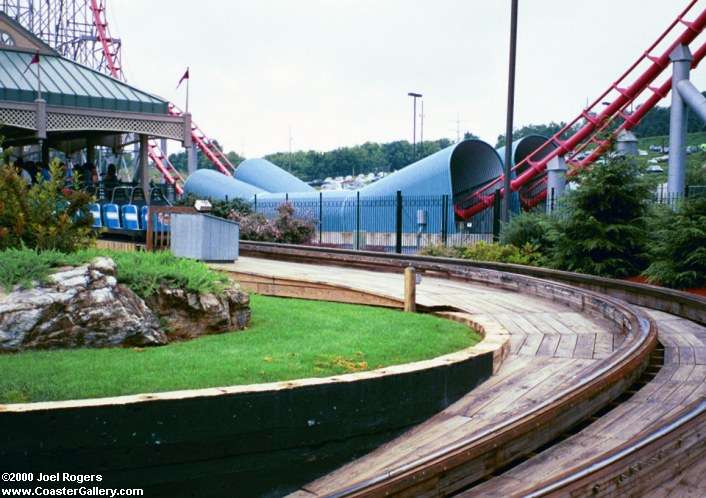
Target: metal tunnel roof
<point>455,170</point>
<point>268,176</point>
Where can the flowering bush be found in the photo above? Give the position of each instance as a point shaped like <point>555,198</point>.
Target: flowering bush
<point>285,228</point>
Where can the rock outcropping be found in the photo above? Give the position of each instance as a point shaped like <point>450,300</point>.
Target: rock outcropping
<point>77,307</point>
<point>86,307</point>
<point>188,314</point>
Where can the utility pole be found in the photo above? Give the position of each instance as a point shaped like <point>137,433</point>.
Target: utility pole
<point>458,128</point>
<point>421,127</point>
<point>290,148</point>
<point>505,211</point>
<point>414,96</point>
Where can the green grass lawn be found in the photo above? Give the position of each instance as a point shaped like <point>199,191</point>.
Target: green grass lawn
<point>287,339</point>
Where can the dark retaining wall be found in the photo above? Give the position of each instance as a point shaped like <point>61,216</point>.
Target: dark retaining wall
<point>259,443</point>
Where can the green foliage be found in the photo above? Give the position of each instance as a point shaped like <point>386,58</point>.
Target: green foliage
<point>180,160</point>
<point>545,130</point>
<point>219,208</point>
<point>678,248</point>
<point>602,229</point>
<point>287,339</point>
<point>656,122</point>
<point>46,215</point>
<point>442,251</point>
<point>533,228</point>
<point>366,158</point>
<point>24,266</point>
<point>503,253</point>
<point>142,272</point>
<point>527,254</point>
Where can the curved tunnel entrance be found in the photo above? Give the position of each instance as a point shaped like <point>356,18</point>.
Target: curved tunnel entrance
<point>473,164</point>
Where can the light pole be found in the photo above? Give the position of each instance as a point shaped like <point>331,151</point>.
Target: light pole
<point>510,111</point>
<point>414,96</point>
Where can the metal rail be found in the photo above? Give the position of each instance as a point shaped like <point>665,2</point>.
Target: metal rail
<point>594,117</point>
<point>617,458</point>
<point>608,378</point>
<point>429,468</point>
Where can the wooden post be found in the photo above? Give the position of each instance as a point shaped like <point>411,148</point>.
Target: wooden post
<point>410,290</point>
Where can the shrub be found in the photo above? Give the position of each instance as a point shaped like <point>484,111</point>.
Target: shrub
<point>503,253</point>
<point>292,230</point>
<point>678,248</point>
<point>285,228</point>
<point>534,228</point>
<point>143,272</point>
<point>45,215</point>
<point>442,251</point>
<point>602,228</point>
<point>528,254</point>
<point>222,209</point>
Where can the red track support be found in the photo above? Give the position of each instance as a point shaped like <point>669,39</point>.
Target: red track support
<point>162,163</point>
<point>594,122</point>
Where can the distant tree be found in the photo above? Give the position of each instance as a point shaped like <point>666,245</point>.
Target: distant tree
<point>546,130</point>
<point>656,123</point>
<point>180,160</point>
<point>470,136</point>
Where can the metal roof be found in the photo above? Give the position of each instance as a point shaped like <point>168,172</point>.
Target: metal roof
<point>263,174</point>
<point>68,84</point>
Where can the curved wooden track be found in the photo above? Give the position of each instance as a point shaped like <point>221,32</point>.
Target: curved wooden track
<point>573,353</point>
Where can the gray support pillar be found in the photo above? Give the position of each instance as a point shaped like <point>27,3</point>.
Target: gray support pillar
<point>556,181</point>
<point>693,98</point>
<point>676,180</point>
<point>143,165</point>
<point>192,159</point>
<point>41,123</point>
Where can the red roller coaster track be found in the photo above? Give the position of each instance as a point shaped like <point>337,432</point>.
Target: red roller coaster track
<point>586,130</point>
<point>160,160</point>
<point>593,122</point>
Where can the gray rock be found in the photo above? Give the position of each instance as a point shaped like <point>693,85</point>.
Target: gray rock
<point>78,307</point>
<point>86,307</point>
<point>187,315</point>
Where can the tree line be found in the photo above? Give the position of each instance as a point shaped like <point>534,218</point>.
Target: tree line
<point>375,157</point>
<point>369,157</point>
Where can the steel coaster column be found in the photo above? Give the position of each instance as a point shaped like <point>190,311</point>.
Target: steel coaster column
<point>681,60</point>
<point>556,181</point>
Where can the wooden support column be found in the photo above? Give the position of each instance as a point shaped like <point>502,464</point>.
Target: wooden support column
<point>410,290</point>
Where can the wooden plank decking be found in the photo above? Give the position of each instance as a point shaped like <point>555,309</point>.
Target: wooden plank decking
<point>552,348</point>
<point>680,382</point>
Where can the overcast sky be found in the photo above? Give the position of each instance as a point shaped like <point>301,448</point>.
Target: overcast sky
<point>338,71</point>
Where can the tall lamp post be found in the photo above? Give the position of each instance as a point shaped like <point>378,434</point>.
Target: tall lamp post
<point>414,96</point>
<point>510,111</point>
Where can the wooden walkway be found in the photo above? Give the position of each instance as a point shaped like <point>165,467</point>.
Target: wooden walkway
<point>552,349</point>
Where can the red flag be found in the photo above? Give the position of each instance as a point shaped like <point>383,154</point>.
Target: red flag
<point>185,77</point>
<point>35,60</point>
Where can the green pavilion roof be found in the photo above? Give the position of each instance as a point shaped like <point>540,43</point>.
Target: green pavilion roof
<point>68,84</point>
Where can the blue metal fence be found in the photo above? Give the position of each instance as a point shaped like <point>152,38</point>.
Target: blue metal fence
<point>388,223</point>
